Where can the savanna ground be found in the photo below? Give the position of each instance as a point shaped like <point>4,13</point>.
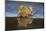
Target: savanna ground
<point>11,23</point>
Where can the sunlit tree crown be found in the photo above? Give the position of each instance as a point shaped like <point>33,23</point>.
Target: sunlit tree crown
<point>24,10</point>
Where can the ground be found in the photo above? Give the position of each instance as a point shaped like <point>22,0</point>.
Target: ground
<point>11,23</point>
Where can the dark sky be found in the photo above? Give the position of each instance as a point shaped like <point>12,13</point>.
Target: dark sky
<point>12,6</point>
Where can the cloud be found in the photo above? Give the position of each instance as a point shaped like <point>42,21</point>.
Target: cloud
<point>38,16</point>
<point>8,14</point>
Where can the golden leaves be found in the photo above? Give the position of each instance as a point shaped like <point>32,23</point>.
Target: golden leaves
<point>24,10</point>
